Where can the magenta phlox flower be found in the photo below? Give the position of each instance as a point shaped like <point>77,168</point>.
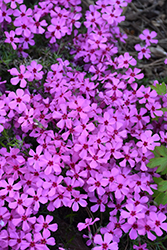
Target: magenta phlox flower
<point>22,11</point>
<point>74,17</point>
<point>147,226</point>
<point>143,159</point>
<point>61,95</point>
<point>32,242</point>
<point>47,240</point>
<point>50,163</point>
<point>16,239</point>
<point>36,26</point>
<point>58,26</point>
<point>13,4</point>
<point>133,74</point>
<point>113,15</point>
<point>36,157</point>
<point>163,136</point>
<point>118,225</point>
<point>110,228</point>
<point>58,12</point>
<point>25,220</point>
<point>115,87</point>
<point>146,95</point>
<point>111,175</point>
<point>109,51</point>
<point>4,239</point>
<point>113,149</point>
<point>78,176</point>
<point>96,157</point>
<point>37,197</point>
<point>61,198</point>
<point>88,223</point>
<point>71,131</point>
<point>132,229</point>
<point>21,76</point>
<point>52,184</point>
<point>140,247</point>
<point>99,140</point>
<point>141,183</point>
<point>26,120</point>
<point>83,145</point>
<point>98,182</point>
<point>9,188</point>
<point>21,52</point>
<point>2,114</point>
<point>97,71</point>
<point>78,199</point>
<point>69,184</point>
<point>148,142</point>
<point>90,54</point>
<point>100,202</point>
<point>20,201</point>
<point>80,107</point>
<point>125,60</point>
<point>143,51</point>
<point>117,131</point>
<point>4,216</point>
<point>84,127</point>
<point>154,109</point>
<point>51,35</point>
<point>158,220</point>
<point>35,71</point>
<point>61,115</point>
<point>106,122</point>
<point>24,26</point>
<point>133,213</point>
<point>18,101</point>
<point>96,41</point>
<point>44,224</point>
<point>88,88</point>
<point>139,117</point>
<point>106,243</point>
<point>120,3</point>
<point>93,17</point>
<point>129,156</point>
<point>25,41</point>
<point>148,37</point>
<point>102,4</point>
<point>10,38</point>
<point>120,188</point>
<point>149,209</point>
<point>5,14</point>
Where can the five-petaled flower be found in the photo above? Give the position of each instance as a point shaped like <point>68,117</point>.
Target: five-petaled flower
<point>21,76</point>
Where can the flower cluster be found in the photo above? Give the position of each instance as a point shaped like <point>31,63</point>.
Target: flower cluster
<point>93,132</point>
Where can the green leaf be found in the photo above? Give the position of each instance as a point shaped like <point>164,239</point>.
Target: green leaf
<point>163,109</point>
<point>159,198</point>
<point>161,150</point>
<point>160,159</point>
<point>157,180</point>
<point>162,186</point>
<point>160,89</point>
<point>164,200</point>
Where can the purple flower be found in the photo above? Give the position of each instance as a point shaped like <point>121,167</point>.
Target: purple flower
<point>148,37</point>
<point>88,223</point>
<point>12,39</point>
<point>106,243</point>
<point>143,51</point>
<point>21,76</point>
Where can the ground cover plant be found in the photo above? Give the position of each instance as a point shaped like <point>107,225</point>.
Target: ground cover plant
<point>78,129</point>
